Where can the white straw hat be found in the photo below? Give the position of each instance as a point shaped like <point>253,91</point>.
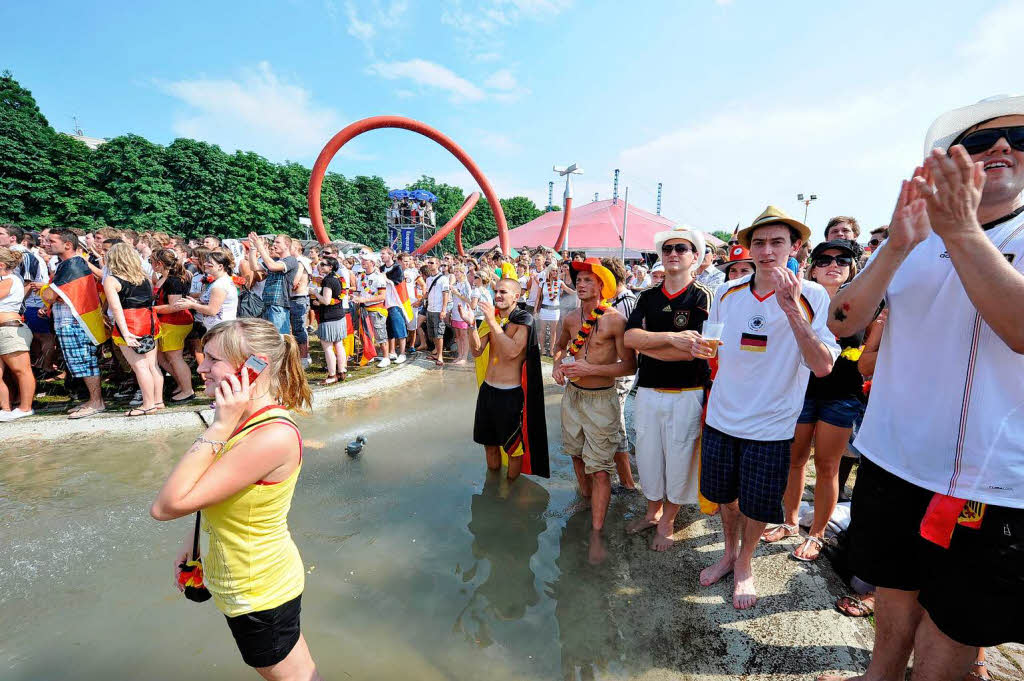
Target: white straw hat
<point>949,125</point>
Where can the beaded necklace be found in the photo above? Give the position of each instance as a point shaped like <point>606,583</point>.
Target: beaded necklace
<point>587,327</point>
<point>552,287</point>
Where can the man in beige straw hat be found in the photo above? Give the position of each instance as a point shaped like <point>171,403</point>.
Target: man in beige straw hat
<point>938,510</point>
<point>768,349</point>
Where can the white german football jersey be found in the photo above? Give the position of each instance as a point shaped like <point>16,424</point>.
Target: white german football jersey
<point>947,399</point>
<point>759,389</point>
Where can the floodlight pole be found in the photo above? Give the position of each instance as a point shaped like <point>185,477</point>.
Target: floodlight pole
<point>625,220</point>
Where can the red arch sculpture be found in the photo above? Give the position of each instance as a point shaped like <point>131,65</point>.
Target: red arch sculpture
<point>352,130</point>
<point>455,223</point>
<point>566,212</point>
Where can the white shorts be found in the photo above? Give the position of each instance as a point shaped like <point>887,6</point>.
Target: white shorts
<point>667,430</point>
<point>549,314</point>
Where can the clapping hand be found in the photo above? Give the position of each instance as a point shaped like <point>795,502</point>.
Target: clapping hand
<point>909,223</point>
<point>954,193</point>
<point>487,309</point>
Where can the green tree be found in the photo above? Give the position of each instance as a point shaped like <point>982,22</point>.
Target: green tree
<point>76,199</point>
<point>723,235</point>
<point>130,170</point>
<point>26,171</point>
<point>198,174</point>
<point>252,197</point>
<point>519,210</point>
<point>371,204</point>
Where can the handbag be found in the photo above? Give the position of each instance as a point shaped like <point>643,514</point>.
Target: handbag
<point>148,342</point>
<point>190,579</point>
<point>249,303</point>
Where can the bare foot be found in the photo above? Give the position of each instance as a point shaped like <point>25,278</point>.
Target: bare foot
<point>661,542</point>
<point>744,596</point>
<point>458,362</point>
<point>713,573</point>
<point>641,524</point>
<point>598,552</point>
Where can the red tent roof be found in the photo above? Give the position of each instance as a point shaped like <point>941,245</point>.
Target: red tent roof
<point>593,227</point>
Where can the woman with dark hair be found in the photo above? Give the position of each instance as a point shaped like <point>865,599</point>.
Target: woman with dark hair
<point>241,473</point>
<point>218,296</point>
<point>831,406</point>
<point>332,329</point>
<point>172,284</point>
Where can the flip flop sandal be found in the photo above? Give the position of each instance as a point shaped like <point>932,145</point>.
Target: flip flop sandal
<point>790,531</point>
<point>330,380</point>
<point>85,413</point>
<point>865,608</point>
<point>806,541</point>
<point>183,400</point>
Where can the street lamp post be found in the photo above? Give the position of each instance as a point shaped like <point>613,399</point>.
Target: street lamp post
<point>806,202</point>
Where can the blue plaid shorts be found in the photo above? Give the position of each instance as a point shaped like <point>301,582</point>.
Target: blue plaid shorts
<point>79,352</point>
<point>755,472</point>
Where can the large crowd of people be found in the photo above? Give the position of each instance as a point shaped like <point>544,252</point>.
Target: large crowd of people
<point>905,354</point>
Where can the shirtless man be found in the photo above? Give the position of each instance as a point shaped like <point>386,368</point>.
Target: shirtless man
<point>499,405</point>
<point>590,404</point>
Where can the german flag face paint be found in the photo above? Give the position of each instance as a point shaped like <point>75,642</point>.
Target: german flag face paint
<point>752,342</point>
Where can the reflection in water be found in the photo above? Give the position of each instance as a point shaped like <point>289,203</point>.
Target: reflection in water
<point>506,521</point>
<point>587,632</point>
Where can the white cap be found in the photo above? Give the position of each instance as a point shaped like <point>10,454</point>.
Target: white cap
<point>694,236</point>
<point>951,124</point>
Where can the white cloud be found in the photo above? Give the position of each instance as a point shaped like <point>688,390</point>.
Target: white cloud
<point>367,22</point>
<point>502,80</point>
<point>850,146</point>
<point>480,23</point>
<point>258,111</point>
<point>499,143</point>
<point>429,74</point>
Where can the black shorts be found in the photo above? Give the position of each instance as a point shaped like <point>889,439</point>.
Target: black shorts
<point>972,590</point>
<point>266,637</point>
<point>755,472</point>
<point>499,415</point>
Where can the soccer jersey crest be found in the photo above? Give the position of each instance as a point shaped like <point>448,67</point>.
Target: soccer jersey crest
<point>681,318</point>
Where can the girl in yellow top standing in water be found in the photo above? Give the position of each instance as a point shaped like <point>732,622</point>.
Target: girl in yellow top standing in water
<point>241,474</point>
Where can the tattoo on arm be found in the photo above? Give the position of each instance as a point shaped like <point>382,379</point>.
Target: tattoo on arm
<point>839,315</point>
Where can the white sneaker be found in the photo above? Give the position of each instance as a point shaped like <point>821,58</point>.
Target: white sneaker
<point>400,359</point>
<point>137,400</point>
<point>385,362</point>
<point>306,362</point>
<point>15,414</point>
<point>393,357</point>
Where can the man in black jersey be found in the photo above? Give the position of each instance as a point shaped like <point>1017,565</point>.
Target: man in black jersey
<point>670,395</point>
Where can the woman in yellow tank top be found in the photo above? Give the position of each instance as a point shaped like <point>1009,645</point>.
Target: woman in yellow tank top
<point>241,474</point>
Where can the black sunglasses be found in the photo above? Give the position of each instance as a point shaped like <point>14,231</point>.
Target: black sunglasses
<point>982,140</point>
<point>874,242</point>
<point>678,248</point>
<point>826,260</point>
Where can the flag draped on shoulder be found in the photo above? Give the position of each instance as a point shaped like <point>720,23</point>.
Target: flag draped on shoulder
<point>532,436</point>
<point>78,289</point>
<point>402,291</point>
<point>366,336</point>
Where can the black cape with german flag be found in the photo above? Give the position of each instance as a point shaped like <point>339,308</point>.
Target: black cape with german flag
<point>74,283</point>
<point>532,436</point>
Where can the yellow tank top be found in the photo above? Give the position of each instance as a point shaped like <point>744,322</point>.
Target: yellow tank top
<point>252,563</point>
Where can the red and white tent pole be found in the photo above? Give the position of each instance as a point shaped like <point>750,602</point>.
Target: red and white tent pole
<point>567,172</point>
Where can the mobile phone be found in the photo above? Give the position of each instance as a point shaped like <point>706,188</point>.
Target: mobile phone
<point>255,366</point>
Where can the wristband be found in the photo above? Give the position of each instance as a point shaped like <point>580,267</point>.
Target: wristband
<point>216,444</point>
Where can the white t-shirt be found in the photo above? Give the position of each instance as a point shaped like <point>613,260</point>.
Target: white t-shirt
<point>481,293</point>
<point>436,298</point>
<point>947,398</point>
<point>759,389</point>
<point>12,301</point>
<point>373,285</point>
<point>42,274</point>
<point>410,275</point>
<point>534,290</point>
<point>464,289</point>
<point>229,310</point>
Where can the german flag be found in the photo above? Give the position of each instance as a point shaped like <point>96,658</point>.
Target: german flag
<point>402,290</point>
<point>366,337</point>
<point>76,286</point>
<point>350,333</point>
<point>752,342</point>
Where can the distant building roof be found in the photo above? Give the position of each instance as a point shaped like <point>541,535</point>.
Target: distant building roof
<point>91,142</point>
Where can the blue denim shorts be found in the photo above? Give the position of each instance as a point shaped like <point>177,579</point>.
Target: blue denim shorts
<point>396,323</point>
<point>838,413</point>
<point>297,318</point>
<point>279,317</point>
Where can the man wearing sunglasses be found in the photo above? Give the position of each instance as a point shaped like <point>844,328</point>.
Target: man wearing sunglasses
<point>938,513</point>
<point>707,273</point>
<point>878,235</point>
<point>670,384</point>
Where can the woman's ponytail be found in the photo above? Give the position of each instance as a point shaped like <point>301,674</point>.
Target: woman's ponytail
<point>293,388</point>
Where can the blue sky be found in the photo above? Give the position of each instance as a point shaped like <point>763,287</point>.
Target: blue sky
<point>732,105</point>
